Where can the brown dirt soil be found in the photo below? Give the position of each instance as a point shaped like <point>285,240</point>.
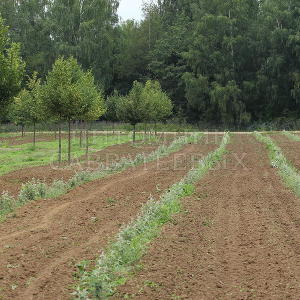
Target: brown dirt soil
<point>28,138</point>
<point>43,241</point>
<point>290,148</point>
<point>12,181</point>
<point>238,238</point>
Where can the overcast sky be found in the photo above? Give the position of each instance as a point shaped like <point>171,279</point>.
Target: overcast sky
<point>131,9</point>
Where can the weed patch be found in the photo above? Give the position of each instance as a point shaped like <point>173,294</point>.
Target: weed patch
<point>286,170</point>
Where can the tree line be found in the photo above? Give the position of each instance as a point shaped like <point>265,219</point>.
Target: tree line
<point>230,63</point>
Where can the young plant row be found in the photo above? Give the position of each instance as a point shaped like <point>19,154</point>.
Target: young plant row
<point>289,173</point>
<point>118,261</point>
<point>291,136</point>
<point>35,190</point>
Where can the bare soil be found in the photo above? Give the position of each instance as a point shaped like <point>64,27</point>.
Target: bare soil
<point>238,237</point>
<point>12,181</point>
<point>290,148</point>
<point>41,244</point>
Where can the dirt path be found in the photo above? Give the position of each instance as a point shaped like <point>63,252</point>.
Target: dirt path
<point>42,243</point>
<point>28,138</point>
<point>12,181</point>
<point>290,148</point>
<point>239,238</point>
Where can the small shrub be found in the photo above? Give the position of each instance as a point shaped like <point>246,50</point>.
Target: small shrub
<point>57,188</point>
<point>32,190</point>
<point>188,190</point>
<point>7,203</point>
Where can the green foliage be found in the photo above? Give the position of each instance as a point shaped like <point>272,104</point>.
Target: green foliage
<point>70,93</point>
<point>296,89</point>
<point>27,107</point>
<point>133,108</point>
<point>159,105</point>
<point>196,50</point>
<point>11,66</point>
<point>227,100</point>
<point>112,106</point>
<point>32,190</point>
<point>48,29</point>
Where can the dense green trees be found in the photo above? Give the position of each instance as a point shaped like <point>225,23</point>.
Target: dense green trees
<point>11,69</point>
<point>226,63</point>
<point>47,29</point>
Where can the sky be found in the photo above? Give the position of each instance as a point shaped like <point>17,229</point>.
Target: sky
<point>131,9</point>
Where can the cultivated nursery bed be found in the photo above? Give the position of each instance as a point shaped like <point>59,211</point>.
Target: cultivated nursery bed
<point>290,145</point>
<point>12,181</point>
<point>44,240</point>
<point>236,238</point>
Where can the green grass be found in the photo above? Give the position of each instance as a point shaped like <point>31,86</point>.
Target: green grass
<point>16,157</point>
<point>35,189</point>
<point>9,134</point>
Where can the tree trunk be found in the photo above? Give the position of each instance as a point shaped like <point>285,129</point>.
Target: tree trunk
<point>69,142</point>
<point>34,135</point>
<point>133,137</point>
<point>87,141</point>
<point>59,143</point>
<point>80,135</point>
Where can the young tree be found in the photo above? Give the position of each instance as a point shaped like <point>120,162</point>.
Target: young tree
<point>133,108</point>
<point>18,114</point>
<point>159,104</point>
<point>70,94</point>
<point>12,68</point>
<point>28,106</point>
<point>95,100</point>
<point>111,108</point>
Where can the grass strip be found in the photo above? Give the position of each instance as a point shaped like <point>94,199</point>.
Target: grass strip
<point>291,136</point>
<point>25,155</point>
<point>119,260</point>
<point>286,170</point>
<point>34,190</point>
